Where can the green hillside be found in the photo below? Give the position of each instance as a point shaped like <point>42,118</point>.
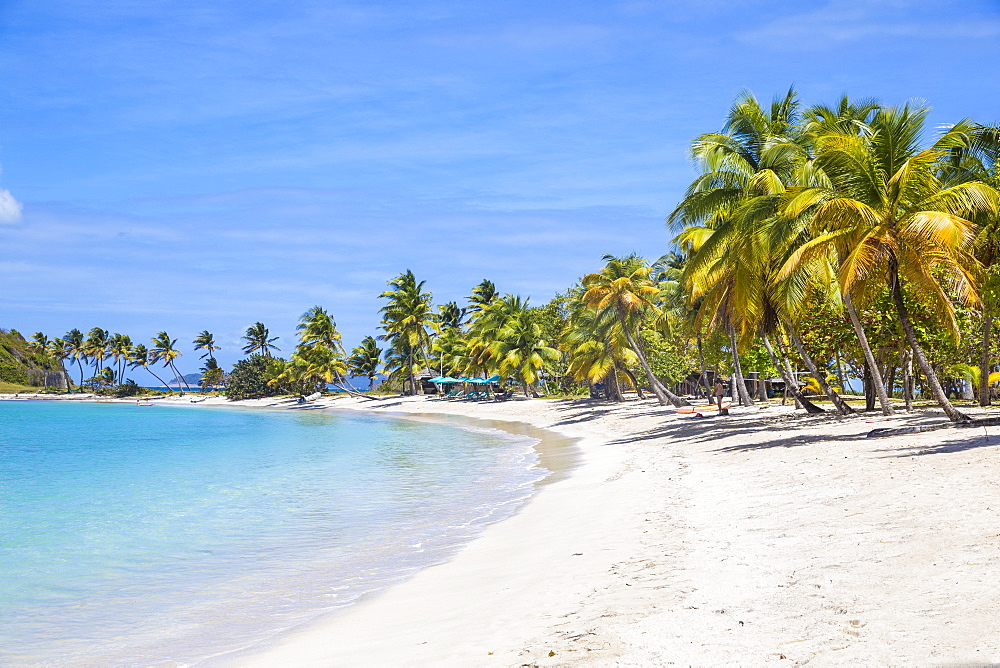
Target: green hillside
<point>23,365</point>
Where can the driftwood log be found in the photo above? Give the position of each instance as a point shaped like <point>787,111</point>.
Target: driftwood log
<point>968,424</point>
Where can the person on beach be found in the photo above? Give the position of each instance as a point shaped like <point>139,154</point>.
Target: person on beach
<point>719,392</point>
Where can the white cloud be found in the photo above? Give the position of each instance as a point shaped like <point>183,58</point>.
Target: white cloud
<point>10,208</point>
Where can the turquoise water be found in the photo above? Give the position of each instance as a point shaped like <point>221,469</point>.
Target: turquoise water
<point>145,534</point>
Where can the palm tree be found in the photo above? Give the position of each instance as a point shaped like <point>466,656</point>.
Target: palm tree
<point>891,219</point>
<point>482,296</point>
<point>119,348</point>
<point>258,342</point>
<point>139,357</point>
<point>39,342</point>
<point>744,167</point>
<point>206,341</point>
<point>364,360</point>
<point>164,351</point>
<point>212,375</point>
<point>407,318</point>
<point>77,348</point>
<point>978,162</point>
<point>451,316</point>
<point>623,288</point>
<point>521,351</point>
<point>60,350</point>
<point>96,347</point>
<point>318,358</point>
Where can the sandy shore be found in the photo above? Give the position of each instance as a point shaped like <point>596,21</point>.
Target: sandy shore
<point>763,537</point>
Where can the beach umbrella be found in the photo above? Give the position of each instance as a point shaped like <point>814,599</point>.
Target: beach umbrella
<point>493,379</point>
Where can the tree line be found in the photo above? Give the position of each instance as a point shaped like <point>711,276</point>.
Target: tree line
<point>835,239</point>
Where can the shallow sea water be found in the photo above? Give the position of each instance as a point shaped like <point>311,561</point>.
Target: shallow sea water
<point>171,534</point>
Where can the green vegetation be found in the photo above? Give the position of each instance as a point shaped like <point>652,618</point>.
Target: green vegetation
<point>25,365</point>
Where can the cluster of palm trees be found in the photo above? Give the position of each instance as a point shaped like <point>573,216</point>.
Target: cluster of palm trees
<point>843,208</point>
<point>98,347</point>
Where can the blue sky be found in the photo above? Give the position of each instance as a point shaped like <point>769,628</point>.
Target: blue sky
<point>204,165</point>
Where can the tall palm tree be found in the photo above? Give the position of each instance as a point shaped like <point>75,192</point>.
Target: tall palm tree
<point>743,167</point>
<point>365,359</point>
<point>258,342</point>
<point>521,351</point>
<point>96,347</point>
<point>891,219</point>
<point>978,162</point>
<point>407,319</point>
<point>451,316</point>
<point>623,288</point>
<point>482,296</point>
<point>119,348</point>
<point>206,341</point>
<point>60,350</point>
<point>39,342</point>
<point>165,351</point>
<point>139,358</point>
<point>76,346</point>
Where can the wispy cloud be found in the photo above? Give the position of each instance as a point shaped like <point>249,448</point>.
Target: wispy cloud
<point>839,22</point>
<point>10,209</point>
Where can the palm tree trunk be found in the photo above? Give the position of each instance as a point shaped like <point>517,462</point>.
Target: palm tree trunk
<point>820,377</point>
<point>911,336</point>
<point>662,393</point>
<point>80,365</point>
<point>704,373</point>
<point>177,376</point>
<point>157,378</point>
<point>790,385</point>
<point>906,364</point>
<point>876,377</point>
<point>738,382</point>
<point>984,359</point>
<point>633,379</point>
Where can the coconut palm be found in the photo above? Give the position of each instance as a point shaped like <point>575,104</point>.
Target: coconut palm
<point>119,348</point>
<point>407,319</point>
<point>39,342</point>
<point>258,341</point>
<point>319,356</point>
<point>212,375</point>
<point>451,316</point>
<point>891,220</point>
<point>206,341</point>
<point>623,289</point>
<point>60,350</point>
<point>76,347</point>
<point>96,347</point>
<point>139,358</point>
<point>365,359</point>
<point>164,350</point>
<point>521,352</point>
<point>482,296</point>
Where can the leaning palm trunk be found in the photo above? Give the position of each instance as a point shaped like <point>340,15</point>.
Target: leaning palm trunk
<point>738,382</point>
<point>790,385</point>
<point>873,368</point>
<point>838,403</point>
<point>662,393</point>
<point>984,360</point>
<point>632,379</point>
<point>937,391</point>
<point>164,383</point>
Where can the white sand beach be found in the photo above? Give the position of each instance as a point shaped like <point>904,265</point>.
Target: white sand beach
<point>767,536</point>
<point>762,537</point>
